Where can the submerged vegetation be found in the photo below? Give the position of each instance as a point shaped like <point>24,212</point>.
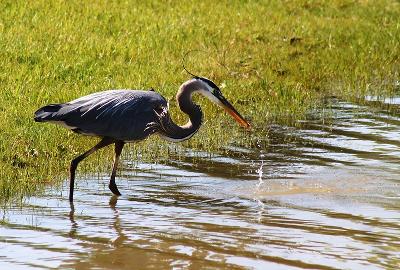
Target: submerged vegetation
<point>273,59</point>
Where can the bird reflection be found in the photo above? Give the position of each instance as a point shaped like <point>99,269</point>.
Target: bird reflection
<point>74,224</point>
<point>117,222</point>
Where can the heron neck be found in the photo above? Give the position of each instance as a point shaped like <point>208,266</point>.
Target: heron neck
<point>186,104</point>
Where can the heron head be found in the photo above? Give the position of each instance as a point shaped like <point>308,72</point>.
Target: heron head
<point>213,93</point>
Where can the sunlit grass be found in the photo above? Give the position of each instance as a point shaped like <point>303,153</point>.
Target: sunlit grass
<point>276,59</point>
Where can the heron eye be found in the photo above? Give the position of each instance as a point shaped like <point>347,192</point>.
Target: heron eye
<point>214,91</point>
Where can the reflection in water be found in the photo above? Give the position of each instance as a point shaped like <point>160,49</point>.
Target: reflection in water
<point>74,225</point>
<point>117,223</point>
<point>325,196</point>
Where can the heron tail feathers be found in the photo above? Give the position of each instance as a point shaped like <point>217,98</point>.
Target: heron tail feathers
<point>46,113</point>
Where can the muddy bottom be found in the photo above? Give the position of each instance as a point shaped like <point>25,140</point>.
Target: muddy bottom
<point>324,196</point>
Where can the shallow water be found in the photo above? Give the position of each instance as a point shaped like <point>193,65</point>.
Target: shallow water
<point>324,196</point>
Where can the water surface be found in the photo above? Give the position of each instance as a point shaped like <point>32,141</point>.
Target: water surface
<point>323,196</point>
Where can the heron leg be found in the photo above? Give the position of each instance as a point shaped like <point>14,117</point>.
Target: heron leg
<point>74,163</point>
<point>118,149</point>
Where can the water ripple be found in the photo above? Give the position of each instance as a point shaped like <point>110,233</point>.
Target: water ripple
<point>322,196</point>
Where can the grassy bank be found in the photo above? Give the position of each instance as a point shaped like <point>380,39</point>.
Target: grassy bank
<point>276,59</point>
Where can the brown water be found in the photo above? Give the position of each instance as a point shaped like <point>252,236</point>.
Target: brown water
<point>325,196</point>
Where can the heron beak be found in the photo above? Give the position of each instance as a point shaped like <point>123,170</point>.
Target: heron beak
<point>232,111</point>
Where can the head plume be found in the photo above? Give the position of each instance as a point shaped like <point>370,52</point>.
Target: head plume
<point>183,64</point>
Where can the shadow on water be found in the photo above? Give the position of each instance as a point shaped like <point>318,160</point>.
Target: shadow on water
<point>323,196</point>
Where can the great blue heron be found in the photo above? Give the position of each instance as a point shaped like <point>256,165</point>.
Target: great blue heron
<point>121,116</point>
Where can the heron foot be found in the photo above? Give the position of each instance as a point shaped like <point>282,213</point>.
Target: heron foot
<point>114,189</point>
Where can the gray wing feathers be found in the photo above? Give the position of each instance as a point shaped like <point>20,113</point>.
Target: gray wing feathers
<point>119,114</point>
<point>46,112</point>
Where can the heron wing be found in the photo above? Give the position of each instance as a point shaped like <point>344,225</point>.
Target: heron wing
<point>119,114</point>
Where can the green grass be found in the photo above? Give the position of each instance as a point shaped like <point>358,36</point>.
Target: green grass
<point>277,59</point>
